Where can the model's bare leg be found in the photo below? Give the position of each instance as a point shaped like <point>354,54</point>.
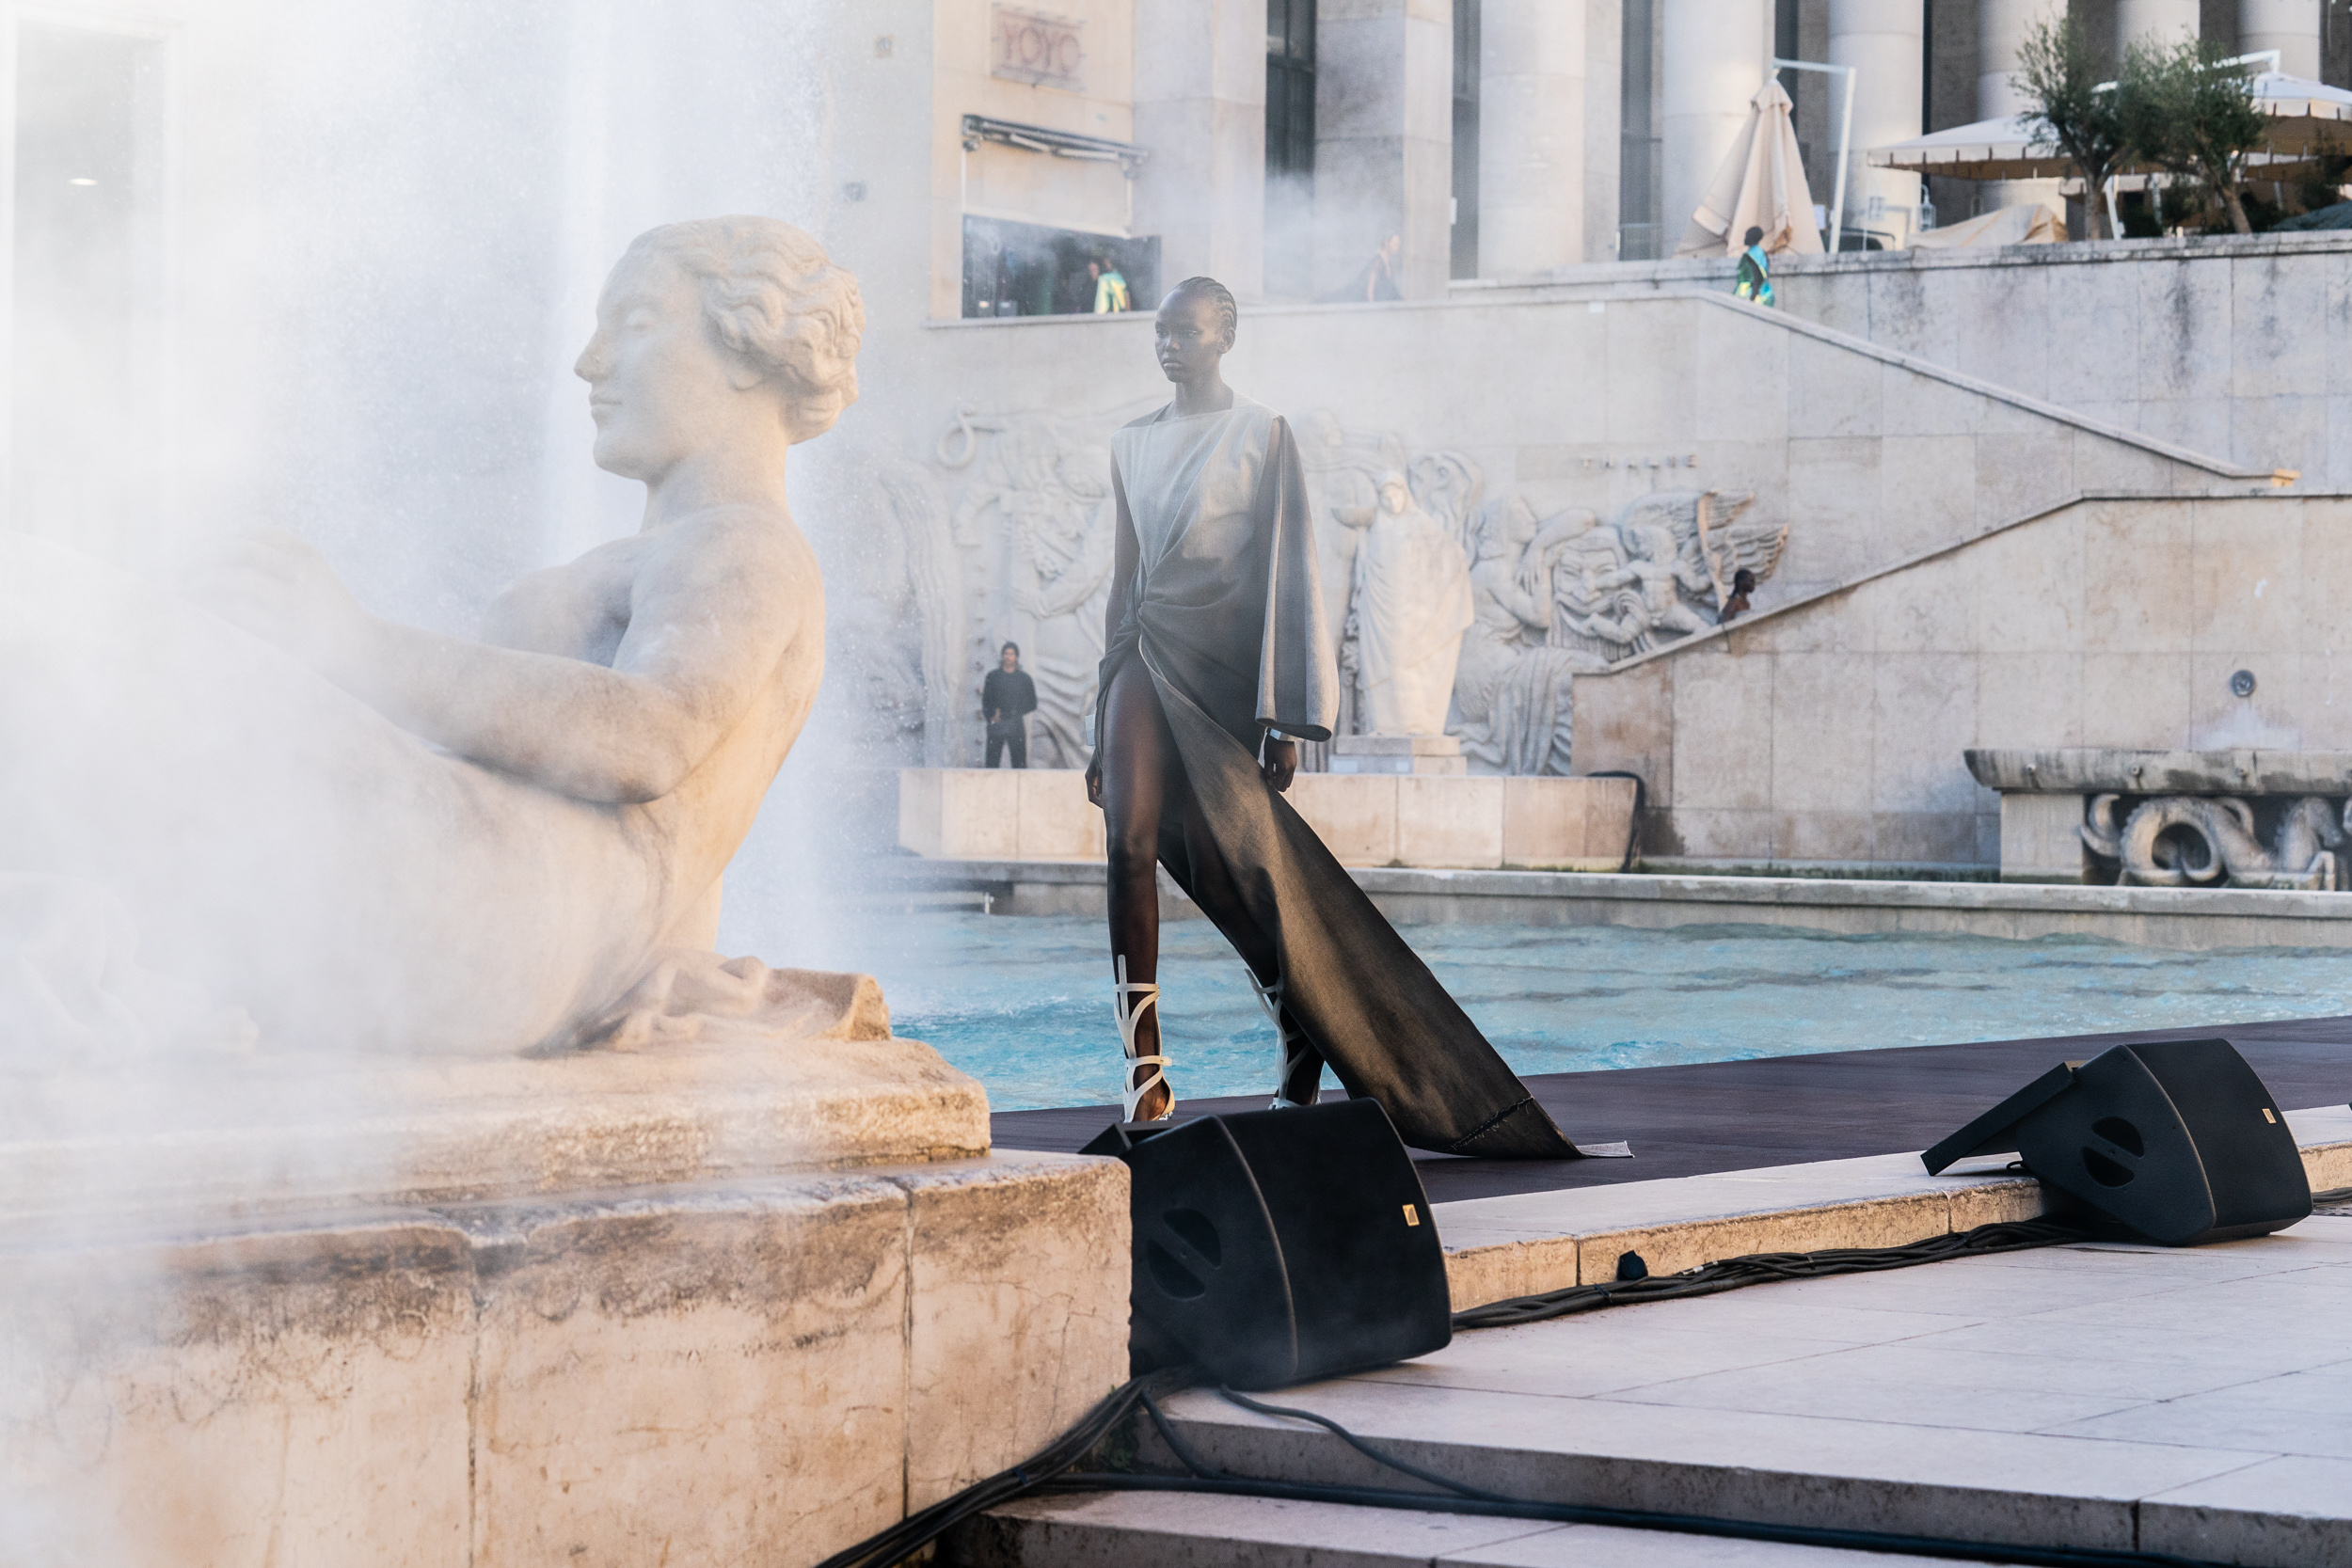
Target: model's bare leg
<point>1139,764</point>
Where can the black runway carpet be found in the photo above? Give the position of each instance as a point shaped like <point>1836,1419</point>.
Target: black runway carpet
<point>1781,1110</point>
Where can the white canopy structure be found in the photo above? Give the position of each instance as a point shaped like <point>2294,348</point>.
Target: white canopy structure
<point>2308,119</point>
<point>1759,184</point>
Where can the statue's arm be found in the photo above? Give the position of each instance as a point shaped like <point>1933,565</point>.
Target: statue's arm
<point>711,613</point>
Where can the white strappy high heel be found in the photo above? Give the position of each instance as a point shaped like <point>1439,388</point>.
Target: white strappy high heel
<point>1127,1005</point>
<point>1296,1049</point>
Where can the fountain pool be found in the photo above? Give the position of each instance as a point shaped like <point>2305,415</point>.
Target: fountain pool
<point>1023,1004</point>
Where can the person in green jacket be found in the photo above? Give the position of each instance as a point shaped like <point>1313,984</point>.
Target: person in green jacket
<point>1755,271</point>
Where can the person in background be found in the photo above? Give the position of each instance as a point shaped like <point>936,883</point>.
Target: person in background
<point>1078,292</point>
<point>1110,289</point>
<point>1007,697</point>
<point>1742,584</point>
<point>1376,280</point>
<point>1755,271</point>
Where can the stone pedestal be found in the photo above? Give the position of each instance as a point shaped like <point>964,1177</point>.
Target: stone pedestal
<point>1368,818</point>
<point>998,813</point>
<point>711,1302</point>
<point>1435,754</point>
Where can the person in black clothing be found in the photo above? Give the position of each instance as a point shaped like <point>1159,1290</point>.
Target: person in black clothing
<point>1007,697</point>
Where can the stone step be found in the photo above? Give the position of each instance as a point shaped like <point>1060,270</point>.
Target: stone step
<point>2098,1395</point>
<point>1531,1242</point>
<point>1171,1530</point>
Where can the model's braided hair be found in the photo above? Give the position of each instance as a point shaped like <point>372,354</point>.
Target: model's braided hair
<point>1228,313</point>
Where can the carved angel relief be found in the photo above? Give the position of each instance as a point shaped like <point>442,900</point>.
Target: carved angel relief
<point>1658,572</point>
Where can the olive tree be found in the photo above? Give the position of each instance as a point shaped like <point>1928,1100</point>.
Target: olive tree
<point>2066,110</point>
<point>2190,114</point>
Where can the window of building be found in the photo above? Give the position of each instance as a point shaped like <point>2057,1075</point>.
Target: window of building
<point>1290,148</point>
<point>1637,144</point>
<point>1464,139</point>
<point>1027,269</point>
<point>84,418</point>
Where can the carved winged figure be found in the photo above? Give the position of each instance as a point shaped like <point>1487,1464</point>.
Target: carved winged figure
<point>1659,572</point>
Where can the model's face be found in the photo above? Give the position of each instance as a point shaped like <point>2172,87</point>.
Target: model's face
<point>1007,659</point>
<point>1189,336</point>
<point>657,383</point>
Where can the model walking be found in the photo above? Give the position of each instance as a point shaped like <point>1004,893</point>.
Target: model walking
<point>1216,663</point>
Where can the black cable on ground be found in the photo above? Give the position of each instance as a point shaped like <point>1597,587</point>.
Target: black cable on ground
<point>1049,1469</point>
<point>1575,1513</point>
<point>917,1530</point>
<point>1762,1268</point>
<point>1206,1478</point>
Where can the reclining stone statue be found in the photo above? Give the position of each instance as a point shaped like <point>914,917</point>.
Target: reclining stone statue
<point>368,834</point>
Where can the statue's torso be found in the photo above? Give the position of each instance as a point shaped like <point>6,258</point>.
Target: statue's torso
<point>584,609</point>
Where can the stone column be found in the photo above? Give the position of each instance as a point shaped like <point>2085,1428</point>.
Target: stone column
<point>1882,40</point>
<point>2002,29</point>
<point>2290,26</point>
<point>2163,19</point>
<point>1531,136</point>
<point>1199,89</point>
<point>1604,152</point>
<point>1716,55</point>
<point>1384,139</point>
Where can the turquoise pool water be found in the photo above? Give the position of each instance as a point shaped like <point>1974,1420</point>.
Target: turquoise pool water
<point>1023,1003</point>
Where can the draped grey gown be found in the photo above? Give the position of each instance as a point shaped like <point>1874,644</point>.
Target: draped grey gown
<point>1215,589</point>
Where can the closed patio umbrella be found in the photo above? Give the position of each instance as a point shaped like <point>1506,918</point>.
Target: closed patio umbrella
<point>1759,184</point>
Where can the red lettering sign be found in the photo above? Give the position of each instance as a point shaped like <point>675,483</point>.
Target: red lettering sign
<point>1040,48</point>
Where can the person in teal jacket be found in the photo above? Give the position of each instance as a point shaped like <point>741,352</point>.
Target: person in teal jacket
<point>1755,271</point>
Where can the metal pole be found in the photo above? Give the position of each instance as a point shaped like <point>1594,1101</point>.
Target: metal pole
<point>1845,136</point>
<point>1845,142</point>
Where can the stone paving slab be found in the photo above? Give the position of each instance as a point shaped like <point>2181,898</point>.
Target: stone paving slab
<point>2092,1395</point>
<point>1529,1242</point>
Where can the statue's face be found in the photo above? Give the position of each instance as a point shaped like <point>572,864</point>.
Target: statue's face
<point>660,387</point>
<point>1393,498</point>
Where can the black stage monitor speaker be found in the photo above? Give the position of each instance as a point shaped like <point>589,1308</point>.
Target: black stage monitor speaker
<point>2176,1139</point>
<point>1279,1247</point>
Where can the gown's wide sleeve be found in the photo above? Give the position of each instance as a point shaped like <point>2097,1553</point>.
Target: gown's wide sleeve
<point>1298,681</point>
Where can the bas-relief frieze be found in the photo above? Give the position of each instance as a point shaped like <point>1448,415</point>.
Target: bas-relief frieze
<point>1004,533</point>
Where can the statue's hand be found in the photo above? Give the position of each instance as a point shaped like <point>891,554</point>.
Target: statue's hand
<point>281,590</point>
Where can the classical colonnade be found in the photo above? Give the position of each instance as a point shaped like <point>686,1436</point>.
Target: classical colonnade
<point>1550,115</point>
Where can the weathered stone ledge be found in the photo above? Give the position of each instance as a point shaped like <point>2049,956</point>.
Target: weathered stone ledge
<point>2190,919</point>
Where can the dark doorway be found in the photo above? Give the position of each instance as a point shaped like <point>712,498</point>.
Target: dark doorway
<point>1290,148</point>
<point>1464,139</point>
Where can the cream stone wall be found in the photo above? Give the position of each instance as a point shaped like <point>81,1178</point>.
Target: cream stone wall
<point>1589,400</point>
<point>1833,730</point>
<point>2241,348</point>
